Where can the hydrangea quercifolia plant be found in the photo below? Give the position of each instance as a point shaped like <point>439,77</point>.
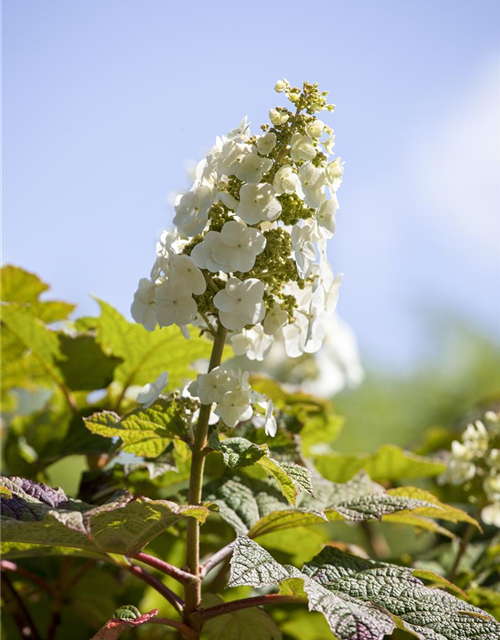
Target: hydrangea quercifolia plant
<point>245,266</point>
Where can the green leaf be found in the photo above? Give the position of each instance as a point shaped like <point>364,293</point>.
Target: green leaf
<point>363,599</point>
<point>388,463</point>
<point>84,364</point>
<point>24,288</point>
<point>255,507</point>
<point>240,452</point>
<point>144,432</point>
<point>146,354</point>
<point>19,285</point>
<point>245,624</point>
<point>39,515</point>
<point>19,550</point>
<point>30,350</point>
<point>303,413</point>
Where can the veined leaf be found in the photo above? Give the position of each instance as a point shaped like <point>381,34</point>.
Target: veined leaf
<point>240,452</point>
<point>146,354</point>
<point>39,515</point>
<point>388,463</point>
<point>144,432</point>
<point>30,350</point>
<point>363,599</point>
<point>255,507</point>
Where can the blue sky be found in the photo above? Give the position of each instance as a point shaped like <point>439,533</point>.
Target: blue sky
<point>105,101</point>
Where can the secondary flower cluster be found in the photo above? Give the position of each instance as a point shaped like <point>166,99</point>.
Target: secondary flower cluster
<point>249,246</point>
<point>475,463</point>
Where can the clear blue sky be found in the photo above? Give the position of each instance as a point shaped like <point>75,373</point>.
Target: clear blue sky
<point>104,101</point>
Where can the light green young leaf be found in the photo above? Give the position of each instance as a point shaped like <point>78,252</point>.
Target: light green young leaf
<point>144,432</point>
<point>116,626</point>
<point>239,452</point>
<point>363,599</point>
<point>388,463</point>
<point>30,350</point>
<point>146,354</point>
<point>24,288</point>
<point>36,514</point>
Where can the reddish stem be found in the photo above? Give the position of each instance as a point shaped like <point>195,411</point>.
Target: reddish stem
<point>18,610</point>
<point>216,559</point>
<point>160,565</point>
<point>6,565</point>
<point>167,593</point>
<point>246,603</point>
<point>187,632</point>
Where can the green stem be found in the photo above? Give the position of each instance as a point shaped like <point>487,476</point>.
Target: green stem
<point>464,543</point>
<point>193,590</point>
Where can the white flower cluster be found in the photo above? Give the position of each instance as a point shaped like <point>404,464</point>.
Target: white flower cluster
<point>476,458</point>
<point>249,248</point>
<point>233,397</point>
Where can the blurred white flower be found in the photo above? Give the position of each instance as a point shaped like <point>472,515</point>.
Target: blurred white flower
<point>211,387</point>
<point>253,343</point>
<point>491,514</point>
<point>143,307</point>
<point>274,320</point>
<point>151,391</point>
<point>234,407</point>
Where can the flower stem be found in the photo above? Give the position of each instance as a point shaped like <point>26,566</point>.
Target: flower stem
<point>193,589</point>
<point>16,607</point>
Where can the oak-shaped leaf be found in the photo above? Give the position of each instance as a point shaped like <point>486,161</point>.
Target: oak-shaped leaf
<point>35,514</point>
<point>144,432</point>
<point>146,354</point>
<point>363,599</point>
<point>292,478</point>
<point>254,506</point>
